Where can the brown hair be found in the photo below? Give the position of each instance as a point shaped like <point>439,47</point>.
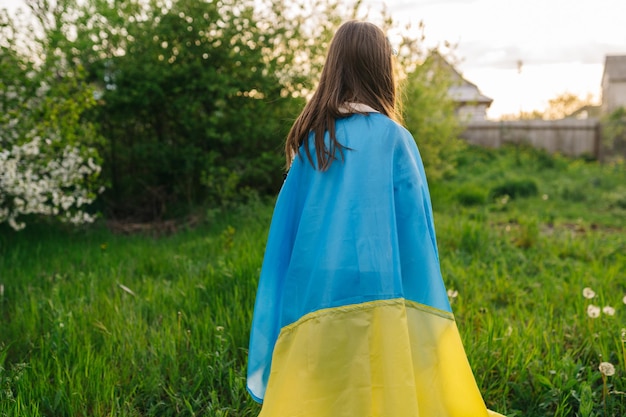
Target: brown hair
<point>359,68</point>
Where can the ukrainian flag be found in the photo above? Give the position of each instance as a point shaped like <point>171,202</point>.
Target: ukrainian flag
<point>351,317</point>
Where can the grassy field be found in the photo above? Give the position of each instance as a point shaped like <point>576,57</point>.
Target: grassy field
<point>98,324</point>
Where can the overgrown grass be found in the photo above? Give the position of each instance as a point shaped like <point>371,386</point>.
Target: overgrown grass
<point>520,263</point>
<point>97,324</point>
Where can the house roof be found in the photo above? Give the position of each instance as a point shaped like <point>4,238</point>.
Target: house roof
<point>614,68</point>
<point>461,91</point>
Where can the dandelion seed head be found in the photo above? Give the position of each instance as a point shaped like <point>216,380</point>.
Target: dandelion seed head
<point>453,293</point>
<point>593,311</point>
<point>608,310</point>
<point>607,368</point>
<point>624,299</point>
<point>588,293</point>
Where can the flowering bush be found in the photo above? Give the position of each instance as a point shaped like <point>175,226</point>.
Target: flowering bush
<point>45,166</point>
<point>32,182</point>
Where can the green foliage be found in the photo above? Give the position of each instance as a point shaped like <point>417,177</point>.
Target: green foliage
<point>193,93</point>
<point>48,160</point>
<point>429,114</point>
<point>201,93</point>
<point>570,193</point>
<point>180,82</point>
<point>471,195</point>
<point>515,188</point>
<point>614,135</point>
<point>618,199</point>
<point>194,99</point>
<point>528,235</point>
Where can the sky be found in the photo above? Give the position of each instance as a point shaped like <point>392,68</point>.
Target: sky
<point>561,44</point>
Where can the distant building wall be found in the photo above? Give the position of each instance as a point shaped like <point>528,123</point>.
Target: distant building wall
<point>570,137</point>
<point>614,83</point>
<point>614,97</point>
<point>472,112</point>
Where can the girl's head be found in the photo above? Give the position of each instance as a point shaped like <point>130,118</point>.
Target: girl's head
<point>359,68</point>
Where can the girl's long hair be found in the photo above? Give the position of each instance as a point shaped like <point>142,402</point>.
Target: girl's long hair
<point>359,68</point>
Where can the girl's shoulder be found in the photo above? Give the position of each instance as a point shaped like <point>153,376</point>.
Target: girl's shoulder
<point>374,123</point>
<point>375,132</point>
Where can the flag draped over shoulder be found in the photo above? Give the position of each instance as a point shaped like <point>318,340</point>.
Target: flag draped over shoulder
<point>352,317</point>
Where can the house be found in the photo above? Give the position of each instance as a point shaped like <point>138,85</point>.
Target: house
<point>614,83</point>
<point>471,104</point>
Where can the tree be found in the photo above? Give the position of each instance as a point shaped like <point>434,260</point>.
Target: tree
<point>523,115</point>
<point>562,106</point>
<point>195,98</point>
<point>430,116</point>
<point>565,104</point>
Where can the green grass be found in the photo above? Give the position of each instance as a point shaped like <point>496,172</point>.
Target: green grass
<point>95,324</point>
<point>98,324</point>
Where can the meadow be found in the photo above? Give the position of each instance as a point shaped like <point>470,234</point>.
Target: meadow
<point>533,253</point>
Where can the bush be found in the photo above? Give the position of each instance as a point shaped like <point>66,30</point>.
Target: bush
<point>48,164</point>
<point>471,195</point>
<point>515,188</point>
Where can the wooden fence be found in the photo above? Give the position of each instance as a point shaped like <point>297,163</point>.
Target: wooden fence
<point>570,137</point>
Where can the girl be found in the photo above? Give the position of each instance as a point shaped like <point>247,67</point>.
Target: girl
<point>352,317</point>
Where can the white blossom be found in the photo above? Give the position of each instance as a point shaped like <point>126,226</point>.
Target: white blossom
<point>38,175</point>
